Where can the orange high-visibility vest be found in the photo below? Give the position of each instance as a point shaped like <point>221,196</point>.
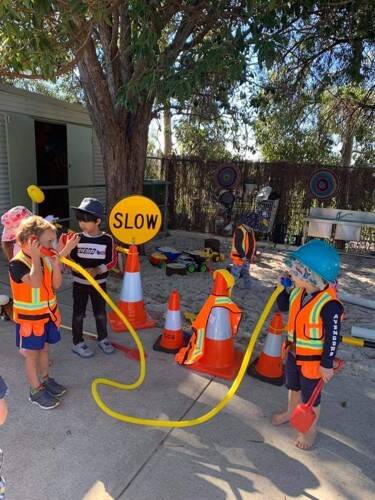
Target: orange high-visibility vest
<point>305,329</point>
<point>195,349</point>
<point>34,307</point>
<point>236,259</point>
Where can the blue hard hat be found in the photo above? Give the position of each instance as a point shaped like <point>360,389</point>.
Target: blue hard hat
<point>320,257</point>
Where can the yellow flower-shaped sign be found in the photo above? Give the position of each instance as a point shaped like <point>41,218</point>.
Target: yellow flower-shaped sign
<point>35,193</point>
<point>135,220</point>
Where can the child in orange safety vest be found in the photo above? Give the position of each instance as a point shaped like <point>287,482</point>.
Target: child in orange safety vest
<point>313,328</point>
<point>34,280</point>
<point>244,247</point>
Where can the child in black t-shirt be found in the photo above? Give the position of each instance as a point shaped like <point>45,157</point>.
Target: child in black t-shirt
<point>95,252</point>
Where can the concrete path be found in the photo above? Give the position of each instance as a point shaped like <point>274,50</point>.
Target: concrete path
<point>76,451</point>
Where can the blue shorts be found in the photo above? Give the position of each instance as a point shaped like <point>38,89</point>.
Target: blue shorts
<point>295,381</point>
<point>51,335</point>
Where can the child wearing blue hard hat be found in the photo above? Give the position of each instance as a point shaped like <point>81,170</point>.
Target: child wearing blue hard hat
<point>313,327</point>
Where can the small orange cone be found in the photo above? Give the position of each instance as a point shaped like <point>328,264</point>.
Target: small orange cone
<point>269,366</point>
<point>131,297</point>
<point>172,338</point>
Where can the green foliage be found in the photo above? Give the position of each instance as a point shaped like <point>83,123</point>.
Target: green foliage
<point>202,140</point>
<point>331,42</point>
<point>174,49</point>
<point>305,127</point>
<point>161,50</point>
<point>139,54</point>
<point>66,88</point>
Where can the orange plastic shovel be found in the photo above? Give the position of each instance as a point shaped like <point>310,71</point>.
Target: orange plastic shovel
<point>303,415</point>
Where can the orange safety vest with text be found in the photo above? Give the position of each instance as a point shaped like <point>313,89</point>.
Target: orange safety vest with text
<point>305,329</point>
<point>236,259</point>
<point>195,349</point>
<point>34,307</point>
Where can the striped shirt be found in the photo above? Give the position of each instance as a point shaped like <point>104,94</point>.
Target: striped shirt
<point>94,251</point>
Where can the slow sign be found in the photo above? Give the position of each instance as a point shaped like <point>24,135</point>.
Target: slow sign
<point>135,220</point>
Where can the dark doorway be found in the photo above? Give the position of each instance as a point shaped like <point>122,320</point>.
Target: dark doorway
<point>52,167</point>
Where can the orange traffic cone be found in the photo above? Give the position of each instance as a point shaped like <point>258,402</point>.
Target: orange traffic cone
<point>172,338</point>
<point>269,366</point>
<point>219,357</point>
<point>131,297</point>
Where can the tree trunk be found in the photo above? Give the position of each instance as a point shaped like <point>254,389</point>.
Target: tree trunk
<point>170,177</point>
<point>124,149</point>
<point>167,133</point>
<point>122,133</point>
<point>347,148</point>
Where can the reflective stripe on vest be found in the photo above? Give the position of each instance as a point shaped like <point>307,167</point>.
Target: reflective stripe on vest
<point>34,307</point>
<point>315,339</point>
<point>36,302</point>
<point>198,348</point>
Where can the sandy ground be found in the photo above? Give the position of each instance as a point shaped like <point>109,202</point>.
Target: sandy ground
<point>77,452</point>
<point>357,277</point>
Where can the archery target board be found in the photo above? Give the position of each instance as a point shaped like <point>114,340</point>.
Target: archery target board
<point>323,184</point>
<point>227,177</point>
<point>227,199</point>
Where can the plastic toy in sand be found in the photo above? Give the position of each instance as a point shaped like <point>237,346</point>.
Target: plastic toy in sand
<point>176,262</point>
<point>208,255</point>
<point>192,264</point>
<point>158,259</point>
<point>175,268</point>
<point>171,253</point>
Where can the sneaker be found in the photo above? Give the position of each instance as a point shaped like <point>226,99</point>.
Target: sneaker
<point>82,350</point>
<point>44,399</point>
<point>54,388</point>
<point>106,346</point>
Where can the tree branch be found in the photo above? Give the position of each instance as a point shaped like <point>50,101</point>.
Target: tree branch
<point>111,68</point>
<point>94,80</point>
<point>185,30</point>
<point>126,60</point>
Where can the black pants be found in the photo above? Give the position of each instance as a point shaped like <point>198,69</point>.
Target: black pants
<point>81,294</point>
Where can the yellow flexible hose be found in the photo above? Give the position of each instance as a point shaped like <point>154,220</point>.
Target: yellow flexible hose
<point>113,306</point>
<point>142,365</point>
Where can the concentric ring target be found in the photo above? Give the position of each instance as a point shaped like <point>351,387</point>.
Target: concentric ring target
<point>323,184</point>
<point>227,199</point>
<point>227,177</point>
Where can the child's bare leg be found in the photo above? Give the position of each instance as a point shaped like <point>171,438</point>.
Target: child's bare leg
<point>306,441</point>
<point>294,399</point>
<point>44,362</point>
<point>31,366</point>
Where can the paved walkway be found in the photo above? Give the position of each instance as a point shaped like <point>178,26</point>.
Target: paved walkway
<point>77,452</point>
